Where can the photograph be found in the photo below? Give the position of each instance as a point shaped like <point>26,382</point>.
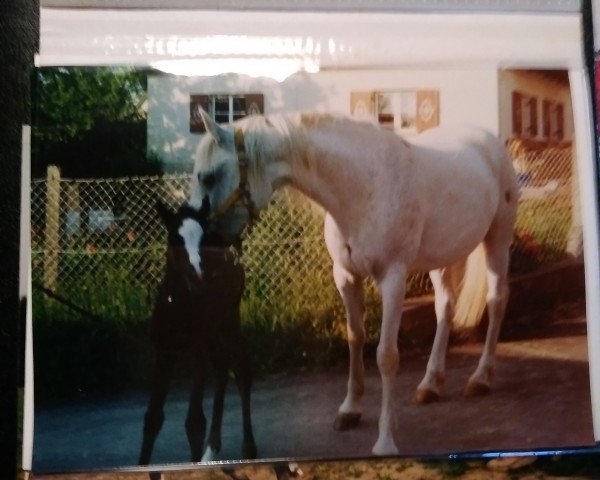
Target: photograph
<point>354,258</point>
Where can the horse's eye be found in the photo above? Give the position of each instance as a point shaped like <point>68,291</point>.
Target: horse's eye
<point>209,180</point>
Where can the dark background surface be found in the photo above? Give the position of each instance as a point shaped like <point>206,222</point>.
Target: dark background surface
<point>19,26</point>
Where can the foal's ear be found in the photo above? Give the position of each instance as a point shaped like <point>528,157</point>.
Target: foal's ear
<point>221,135</point>
<point>205,208</point>
<point>165,214</point>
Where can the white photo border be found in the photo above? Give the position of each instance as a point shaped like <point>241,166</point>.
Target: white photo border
<point>58,48</point>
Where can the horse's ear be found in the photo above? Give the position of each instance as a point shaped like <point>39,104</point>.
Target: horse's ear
<point>222,136</point>
<point>165,214</point>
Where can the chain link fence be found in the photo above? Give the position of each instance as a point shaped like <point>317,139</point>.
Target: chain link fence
<point>100,244</point>
<point>548,224</point>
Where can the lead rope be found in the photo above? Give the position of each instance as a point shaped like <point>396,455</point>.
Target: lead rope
<point>244,189</point>
<point>244,186</point>
<point>242,193</point>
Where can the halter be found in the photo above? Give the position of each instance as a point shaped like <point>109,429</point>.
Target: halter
<point>241,195</point>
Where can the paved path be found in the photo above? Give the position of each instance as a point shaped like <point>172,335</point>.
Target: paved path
<point>541,399</point>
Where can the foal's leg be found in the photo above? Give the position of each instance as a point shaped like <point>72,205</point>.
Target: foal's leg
<point>445,298</point>
<point>392,288</point>
<point>195,423</point>
<point>155,416</point>
<point>221,368</point>
<point>242,368</point>
<point>351,290</point>
<point>497,255</point>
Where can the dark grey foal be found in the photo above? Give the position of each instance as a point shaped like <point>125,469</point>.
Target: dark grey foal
<point>198,308</point>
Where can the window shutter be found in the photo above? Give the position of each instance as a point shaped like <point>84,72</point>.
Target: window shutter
<point>533,116</point>
<point>362,104</point>
<point>428,110</point>
<point>560,122</point>
<point>517,113</point>
<point>547,119</point>
<point>197,102</point>
<point>255,103</point>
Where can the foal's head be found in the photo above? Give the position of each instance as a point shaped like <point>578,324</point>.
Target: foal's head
<point>185,230</point>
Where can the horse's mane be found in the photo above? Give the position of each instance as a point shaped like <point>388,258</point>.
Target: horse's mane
<point>279,136</point>
<point>284,135</point>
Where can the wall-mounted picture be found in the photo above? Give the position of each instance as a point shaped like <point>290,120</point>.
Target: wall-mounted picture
<point>361,258</point>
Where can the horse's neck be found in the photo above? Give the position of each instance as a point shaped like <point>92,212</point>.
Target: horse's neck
<point>333,166</point>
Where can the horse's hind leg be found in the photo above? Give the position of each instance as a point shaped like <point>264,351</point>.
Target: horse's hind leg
<point>497,245</point>
<point>351,290</point>
<point>154,416</point>
<point>443,283</point>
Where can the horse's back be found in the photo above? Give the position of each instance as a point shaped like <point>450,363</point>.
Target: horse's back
<point>467,146</point>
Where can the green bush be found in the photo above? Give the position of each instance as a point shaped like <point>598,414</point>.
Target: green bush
<point>541,234</point>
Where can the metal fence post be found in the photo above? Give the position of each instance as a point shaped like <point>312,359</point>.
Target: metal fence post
<point>52,227</point>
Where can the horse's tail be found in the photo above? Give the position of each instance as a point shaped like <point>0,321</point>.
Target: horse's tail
<point>471,299</point>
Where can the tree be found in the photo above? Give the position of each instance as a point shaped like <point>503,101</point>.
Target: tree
<point>91,122</point>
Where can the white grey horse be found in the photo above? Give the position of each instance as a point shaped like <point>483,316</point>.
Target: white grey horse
<point>443,203</point>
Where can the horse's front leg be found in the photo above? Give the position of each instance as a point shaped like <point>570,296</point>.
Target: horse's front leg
<point>392,287</point>
<point>154,417</point>
<point>351,290</point>
<point>195,423</point>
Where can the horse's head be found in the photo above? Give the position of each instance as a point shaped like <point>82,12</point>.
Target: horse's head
<point>216,170</point>
<point>185,230</point>
<point>228,174</point>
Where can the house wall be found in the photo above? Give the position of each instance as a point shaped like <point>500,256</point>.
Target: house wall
<point>465,96</point>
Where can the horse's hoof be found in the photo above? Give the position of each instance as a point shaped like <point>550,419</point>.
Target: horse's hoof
<point>476,389</point>
<point>425,396</point>
<point>385,449</point>
<point>346,421</point>
<point>210,454</point>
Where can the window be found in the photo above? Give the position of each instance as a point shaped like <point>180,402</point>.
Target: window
<point>397,110</point>
<point>224,108</point>
<point>404,111</point>
<point>524,113</point>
